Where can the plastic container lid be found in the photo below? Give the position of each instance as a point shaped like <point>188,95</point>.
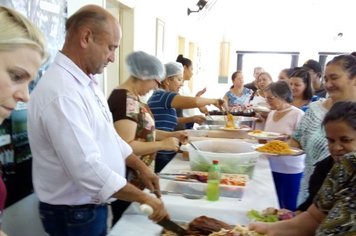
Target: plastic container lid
<point>215,162</point>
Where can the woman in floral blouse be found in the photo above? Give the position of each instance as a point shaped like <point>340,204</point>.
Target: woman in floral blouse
<point>134,121</point>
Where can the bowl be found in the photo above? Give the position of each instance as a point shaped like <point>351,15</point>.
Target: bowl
<point>219,120</point>
<point>235,156</point>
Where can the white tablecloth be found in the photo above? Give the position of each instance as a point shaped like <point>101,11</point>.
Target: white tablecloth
<point>259,194</point>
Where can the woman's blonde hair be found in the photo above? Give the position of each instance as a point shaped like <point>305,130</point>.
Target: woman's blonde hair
<point>16,31</point>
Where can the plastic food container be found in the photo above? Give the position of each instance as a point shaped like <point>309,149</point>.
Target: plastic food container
<point>230,191</point>
<point>235,156</point>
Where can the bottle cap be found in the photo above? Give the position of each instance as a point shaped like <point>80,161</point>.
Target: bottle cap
<point>215,162</point>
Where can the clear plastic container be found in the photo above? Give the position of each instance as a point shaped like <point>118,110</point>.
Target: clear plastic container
<point>234,156</point>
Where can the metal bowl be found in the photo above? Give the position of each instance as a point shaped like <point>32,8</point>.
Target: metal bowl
<point>210,127</point>
<point>219,120</point>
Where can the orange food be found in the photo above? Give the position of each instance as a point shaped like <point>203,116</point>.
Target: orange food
<point>230,121</point>
<point>276,147</point>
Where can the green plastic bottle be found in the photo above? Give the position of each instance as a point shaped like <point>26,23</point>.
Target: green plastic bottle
<point>213,189</point>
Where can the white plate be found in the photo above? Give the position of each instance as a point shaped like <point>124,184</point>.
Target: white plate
<point>266,135</point>
<point>236,129</point>
<point>296,151</point>
<point>261,109</point>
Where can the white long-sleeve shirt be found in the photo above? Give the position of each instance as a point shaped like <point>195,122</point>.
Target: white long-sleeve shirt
<point>78,158</point>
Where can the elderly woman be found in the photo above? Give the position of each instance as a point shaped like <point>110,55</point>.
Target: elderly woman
<point>258,97</point>
<point>22,50</point>
<point>134,121</point>
<point>163,104</point>
<point>284,117</point>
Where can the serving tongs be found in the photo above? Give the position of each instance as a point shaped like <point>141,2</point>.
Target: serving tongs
<point>186,177</point>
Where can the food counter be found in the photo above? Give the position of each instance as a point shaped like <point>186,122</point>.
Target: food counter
<point>259,194</point>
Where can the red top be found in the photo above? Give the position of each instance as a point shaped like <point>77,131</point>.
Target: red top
<point>215,162</point>
<point>3,194</point>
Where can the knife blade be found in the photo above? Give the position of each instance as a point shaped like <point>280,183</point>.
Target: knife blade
<point>187,177</point>
<point>165,223</point>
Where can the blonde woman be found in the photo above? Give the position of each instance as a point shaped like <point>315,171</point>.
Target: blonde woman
<point>22,51</point>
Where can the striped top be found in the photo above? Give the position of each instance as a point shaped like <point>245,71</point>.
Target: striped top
<point>311,137</point>
<point>165,116</point>
<point>160,105</point>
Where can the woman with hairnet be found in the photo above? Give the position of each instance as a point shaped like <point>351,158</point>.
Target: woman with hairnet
<point>134,121</point>
<point>164,101</point>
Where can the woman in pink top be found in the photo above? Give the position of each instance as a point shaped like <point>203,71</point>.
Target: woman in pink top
<point>284,117</point>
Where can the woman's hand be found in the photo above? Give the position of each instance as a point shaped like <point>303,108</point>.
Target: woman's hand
<point>220,103</point>
<point>261,228</point>
<point>203,110</point>
<point>170,144</point>
<point>201,92</point>
<point>199,119</point>
<point>181,135</point>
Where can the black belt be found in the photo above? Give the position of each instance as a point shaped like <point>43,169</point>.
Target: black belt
<point>75,206</point>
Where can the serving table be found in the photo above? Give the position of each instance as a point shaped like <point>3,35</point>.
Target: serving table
<point>259,194</point>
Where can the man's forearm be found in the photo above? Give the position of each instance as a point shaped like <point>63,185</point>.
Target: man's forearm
<point>135,163</point>
<point>131,193</point>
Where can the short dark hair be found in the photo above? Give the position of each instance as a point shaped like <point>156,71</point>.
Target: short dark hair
<point>313,65</point>
<point>343,111</point>
<point>282,90</point>
<point>305,76</point>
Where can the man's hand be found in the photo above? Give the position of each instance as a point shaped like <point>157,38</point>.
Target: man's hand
<point>159,211</point>
<point>150,180</point>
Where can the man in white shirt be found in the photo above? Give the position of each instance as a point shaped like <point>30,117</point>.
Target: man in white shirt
<point>78,158</point>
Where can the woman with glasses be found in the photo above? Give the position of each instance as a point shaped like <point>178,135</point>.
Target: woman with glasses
<point>283,117</point>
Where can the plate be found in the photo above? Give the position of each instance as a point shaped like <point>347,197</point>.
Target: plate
<point>266,135</point>
<point>236,129</point>
<point>261,109</point>
<point>296,151</point>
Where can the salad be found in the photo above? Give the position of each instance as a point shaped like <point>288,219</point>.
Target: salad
<point>270,214</point>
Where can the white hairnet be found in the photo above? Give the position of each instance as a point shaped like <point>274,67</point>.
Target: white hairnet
<point>173,68</point>
<point>144,66</point>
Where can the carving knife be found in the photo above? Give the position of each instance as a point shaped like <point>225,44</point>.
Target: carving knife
<point>165,223</point>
